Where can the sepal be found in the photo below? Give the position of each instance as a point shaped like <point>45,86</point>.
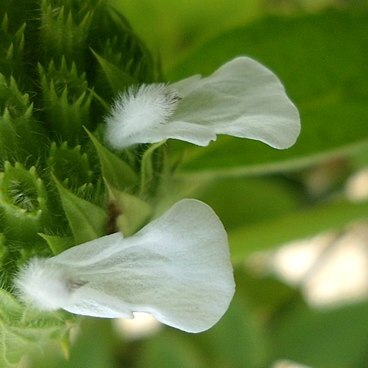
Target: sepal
<point>66,99</point>
<point>87,221</point>
<point>63,32</point>
<point>70,165</point>
<point>117,78</point>
<point>12,46</point>
<point>23,201</point>
<point>17,124</point>
<point>57,244</point>
<point>127,212</point>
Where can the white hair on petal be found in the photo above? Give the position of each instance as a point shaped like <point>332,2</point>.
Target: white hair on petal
<point>139,109</point>
<point>45,286</point>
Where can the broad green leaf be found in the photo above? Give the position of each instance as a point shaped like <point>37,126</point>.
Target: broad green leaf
<point>321,60</point>
<point>295,225</point>
<point>236,341</point>
<point>181,24</point>
<point>93,350</point>
<point>265,293</point>
<point>322,339</point>
<point>86,220</point>
<point>169,350</point>
<point>115,171</point>
<point>239,201</point>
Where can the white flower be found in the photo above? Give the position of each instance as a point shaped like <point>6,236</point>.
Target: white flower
<point>242,98</point>
<point>177,268</point>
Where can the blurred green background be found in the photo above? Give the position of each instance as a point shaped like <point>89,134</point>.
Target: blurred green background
<point>266,198</point>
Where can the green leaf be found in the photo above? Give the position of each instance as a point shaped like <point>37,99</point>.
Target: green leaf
<point>236,341</point>
<point>239,201</point>
<point>88,350</point>
<point>179,25</point>
<point>267,294</point>
<point>24,331</point>
<point>321,60</point>
<point>322,339</point>
<point>295,225</point>
<point>170,350</point>
<point>115,171</point>
<point>86,220</point>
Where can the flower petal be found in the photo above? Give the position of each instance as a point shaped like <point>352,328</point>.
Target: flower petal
<point>189,132</point>
<point>176,268</point>
<point>242,98</point>
<point>187,85</point>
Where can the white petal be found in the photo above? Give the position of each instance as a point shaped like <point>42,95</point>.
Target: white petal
<point>177,268</point>
<point>189,132</point>
<point>244,99</point>
<point>187,85</point>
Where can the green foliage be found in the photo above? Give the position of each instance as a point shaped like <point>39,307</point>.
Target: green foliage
<point>174,28</point>
<point>325,338</point>
<point>12,47</point>
<point>70,165</point>
<point>54,82</point>
<point>236,341</point>
<point>17,124</point>
<point>23,330</point>
<point>66,99</point>
<point>237,206</point>
<point>295,225</point>
<point>170,350</point>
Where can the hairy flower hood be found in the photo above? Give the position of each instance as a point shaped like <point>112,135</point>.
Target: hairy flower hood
<point>242,98</point>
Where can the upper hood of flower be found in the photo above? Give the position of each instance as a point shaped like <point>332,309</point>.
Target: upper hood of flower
<point>242,98</point>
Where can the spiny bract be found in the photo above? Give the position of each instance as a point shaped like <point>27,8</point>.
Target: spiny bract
<point>62,63</point>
